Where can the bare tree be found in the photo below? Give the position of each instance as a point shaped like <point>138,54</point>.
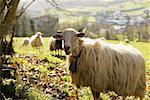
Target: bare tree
<point>55,5</point>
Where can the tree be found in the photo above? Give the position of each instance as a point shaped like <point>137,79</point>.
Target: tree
<point>8,10</point>
<point>8,15</point>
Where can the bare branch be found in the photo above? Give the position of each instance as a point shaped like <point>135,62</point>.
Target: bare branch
<point>55,5</point>
<point>2,5</point>
<point>24,9</point>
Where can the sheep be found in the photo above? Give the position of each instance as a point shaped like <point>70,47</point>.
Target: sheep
<point>36,40</point>
<point>103,66</point>
<point>56,42</point>
<point>103,38</point>
<point>136,40</point>
<point>126,41</point>
<point>26,41</point>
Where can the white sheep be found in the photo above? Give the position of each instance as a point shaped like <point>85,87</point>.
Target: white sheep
<point>36,40</point>
<point>136,40</point>
<point>103,38</point>
<point>26,41</point>
<point>126,41</point>
<point>103,66</point>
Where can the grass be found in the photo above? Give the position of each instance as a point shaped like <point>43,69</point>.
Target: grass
<point>86,9</point>
<point>50,76</point>
<point>72,19</point>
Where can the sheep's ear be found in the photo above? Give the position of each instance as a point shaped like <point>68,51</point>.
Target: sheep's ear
<point>57,36</point>
<point>81,34</point>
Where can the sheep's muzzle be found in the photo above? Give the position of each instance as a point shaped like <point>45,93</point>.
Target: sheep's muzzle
<point>67,50</point>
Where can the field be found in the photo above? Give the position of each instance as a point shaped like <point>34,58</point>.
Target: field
<point>47,77</point>
<point>130,8</point>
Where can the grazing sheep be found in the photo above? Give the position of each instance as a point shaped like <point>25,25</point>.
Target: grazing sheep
<point>103,66</point>
<point>56,42</point>
<point>36,40</point>
<point>136,40</point>
<point>26,41</point>
<point>126,41</point>
<point>52,43</point>
<point>103,38</point>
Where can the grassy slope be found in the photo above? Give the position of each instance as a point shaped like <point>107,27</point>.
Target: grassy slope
<point>125,6</point>
<point>45,53</point>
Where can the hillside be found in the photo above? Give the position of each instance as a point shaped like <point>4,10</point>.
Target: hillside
<point>88,5</point>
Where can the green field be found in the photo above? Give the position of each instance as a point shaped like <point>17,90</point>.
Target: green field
<point>53,79</point>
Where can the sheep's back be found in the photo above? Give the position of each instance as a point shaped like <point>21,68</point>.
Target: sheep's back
<point>110,67</point>
<point>36,41</point>
<point>52,42</point>
<point>25,41</point>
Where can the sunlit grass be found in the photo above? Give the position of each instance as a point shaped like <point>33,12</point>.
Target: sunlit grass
<point>44,53</point>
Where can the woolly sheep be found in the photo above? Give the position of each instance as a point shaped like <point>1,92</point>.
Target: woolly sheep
<point>26,41</point>
<point>103,38</point>
<point>56,42</point>
<point>126,41</point>
<point>104,66</point>
<point>36,40</point>
<point>136,40</point>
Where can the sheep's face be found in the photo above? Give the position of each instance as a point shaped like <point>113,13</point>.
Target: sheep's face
<point>39,33</point>
<point>71,40</point>
<point>68,35</point>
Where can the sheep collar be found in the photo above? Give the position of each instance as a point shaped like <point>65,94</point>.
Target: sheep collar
<point>73,64</point>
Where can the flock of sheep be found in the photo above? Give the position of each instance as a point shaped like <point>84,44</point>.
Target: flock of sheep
<point>35,40</point>
<point>99,65</point>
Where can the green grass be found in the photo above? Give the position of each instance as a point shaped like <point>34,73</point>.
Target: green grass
<point>28,50</point>
<point>33,62</point>
<point>146,4</point>
<point>130,5</point>
<point>86,9</point>
<point>73,19</point>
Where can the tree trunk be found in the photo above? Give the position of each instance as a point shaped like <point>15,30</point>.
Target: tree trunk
<point>7,17</point>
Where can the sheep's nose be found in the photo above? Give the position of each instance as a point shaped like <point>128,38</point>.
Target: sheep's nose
<point>67,50</point>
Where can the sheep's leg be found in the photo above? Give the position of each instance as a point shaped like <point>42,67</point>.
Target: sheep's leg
<point>96,95</point>
<point>55,52</point>
<point>58,52</point>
